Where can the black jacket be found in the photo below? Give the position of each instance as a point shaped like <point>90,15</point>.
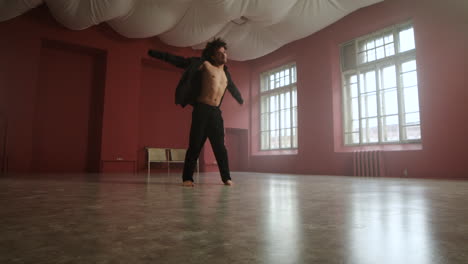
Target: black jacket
<point>189,86</point>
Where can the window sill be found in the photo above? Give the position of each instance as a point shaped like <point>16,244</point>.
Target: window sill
<point>387,147</point>
<point>282,152</point>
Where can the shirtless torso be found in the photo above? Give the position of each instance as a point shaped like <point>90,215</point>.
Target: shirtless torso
<point>214,83</point>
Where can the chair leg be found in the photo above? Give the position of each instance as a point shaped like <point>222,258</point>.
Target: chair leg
<point>168,168</point>
<point>149,163</point>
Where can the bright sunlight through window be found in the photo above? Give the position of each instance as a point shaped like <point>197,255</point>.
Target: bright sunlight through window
<point>278,109</point>
<point>380,88</point>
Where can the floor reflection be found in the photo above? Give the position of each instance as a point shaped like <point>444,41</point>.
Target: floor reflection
<point>263,218</point>
<point>282,233</point>
<point>389,224</point>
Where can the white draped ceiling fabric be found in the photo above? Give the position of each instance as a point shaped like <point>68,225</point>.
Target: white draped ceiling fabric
<point>252,28</point>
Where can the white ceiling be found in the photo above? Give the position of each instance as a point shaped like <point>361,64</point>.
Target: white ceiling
<point>252,28</point>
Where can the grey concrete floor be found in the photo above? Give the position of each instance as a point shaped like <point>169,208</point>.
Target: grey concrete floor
<point>263,218</point>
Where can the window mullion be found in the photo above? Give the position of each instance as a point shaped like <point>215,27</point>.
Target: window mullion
<point>290,113</point>
<point>401,110</point>
<point>345,110</point>
<point>359,105</point>
<point>279,120</point>
<point>378,84</point>
<point>396,40</point>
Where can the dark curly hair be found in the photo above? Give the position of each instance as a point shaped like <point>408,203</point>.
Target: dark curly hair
<point>212,46</point>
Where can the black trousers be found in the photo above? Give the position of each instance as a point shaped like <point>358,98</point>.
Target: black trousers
<point>207,122</point>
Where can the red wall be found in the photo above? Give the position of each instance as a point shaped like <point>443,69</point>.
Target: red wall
<point>91,80</point>
<point>442,56</point>
<point>68,100</point>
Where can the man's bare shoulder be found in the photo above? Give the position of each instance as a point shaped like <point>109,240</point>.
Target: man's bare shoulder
<point>205,65</point>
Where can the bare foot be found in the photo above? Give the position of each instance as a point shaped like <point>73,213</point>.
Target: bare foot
<point>228,183</point>
<point>188,184</point>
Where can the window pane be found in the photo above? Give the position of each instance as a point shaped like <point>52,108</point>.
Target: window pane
<point>389,77</point>
<point>294,97</point>
<point>390,128</point>
<point>373,130</point>
<point>265,140</point>
<point>411,99</point>
<point>413,132</point>
<point>274,103</point>
<point>364,130</point>
<point>409,79</point>
<point>389,50</point>
<point>388,38</point>
<point>281,78</point>
<point>355,108</point>
<point>285,118</point>
<point>369,130</point>
<point>294,117</point>
<point>281,101</point>
<point>389,102</point>
<point>370,84</point>
<point>274,122</point>
<point>354,90</point>
<point>380,53</point>
<point>265,122</point>
<point>369,105</point>
<point>412,119</point>
<point>285,138</point>
<point>355,138</point>
<point>352,138</point>
<point>379,42</point>
<point>348,126</point>
<point>285,100</point>
<point>264,104</point>
<point>355,126</point>
<point>406,40</point>
<point>294,137</point>
<point>370,45</point>
<point>274,139</point>
<point>293,70</point>
<point>408,66</point>
<point>371,55</point>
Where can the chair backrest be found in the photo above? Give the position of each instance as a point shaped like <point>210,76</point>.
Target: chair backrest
<point>156,154</point>
<point>178,154</point>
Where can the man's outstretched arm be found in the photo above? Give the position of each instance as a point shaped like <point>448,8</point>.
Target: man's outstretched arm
<point>175,60</point>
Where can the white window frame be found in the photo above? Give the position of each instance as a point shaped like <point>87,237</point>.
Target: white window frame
<point>377,65</point>
<point>268,91</point>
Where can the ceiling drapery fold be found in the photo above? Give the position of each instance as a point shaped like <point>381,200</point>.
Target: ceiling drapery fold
<point>252,28</point>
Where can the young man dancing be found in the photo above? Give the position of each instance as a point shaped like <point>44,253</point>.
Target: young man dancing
<point>203,85</point>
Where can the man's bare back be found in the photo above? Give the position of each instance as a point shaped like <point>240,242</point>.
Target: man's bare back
<point>214,83</point>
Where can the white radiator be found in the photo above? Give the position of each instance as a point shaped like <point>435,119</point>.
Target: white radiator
<point>368,163</point>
